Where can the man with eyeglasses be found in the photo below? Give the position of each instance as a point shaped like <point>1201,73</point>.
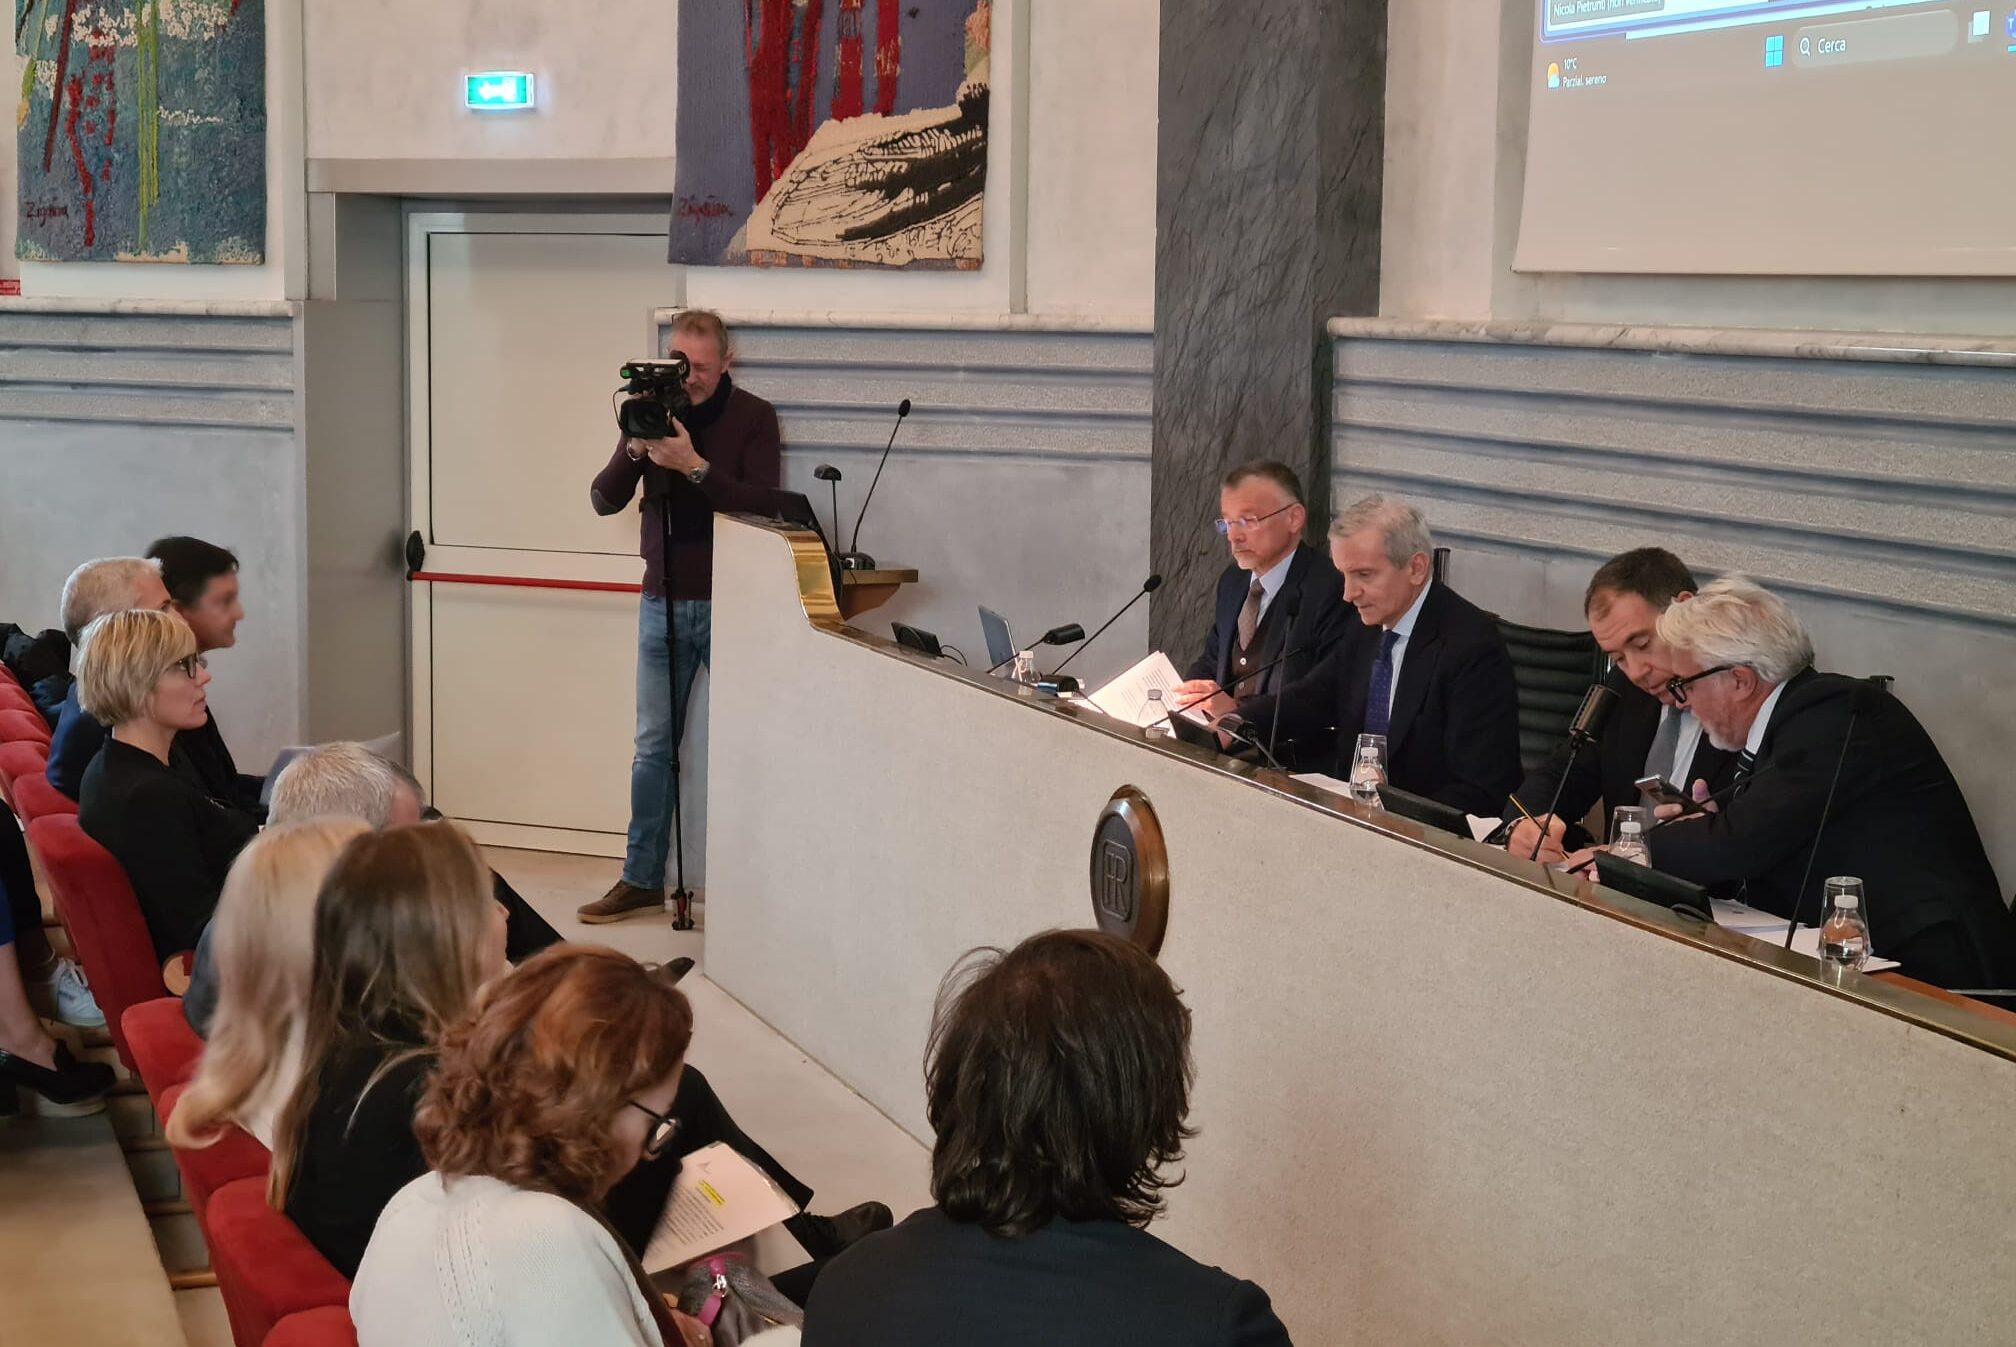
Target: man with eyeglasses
<point>1743,664</point>
<point>1261,518</point>
<point>1649,733</point>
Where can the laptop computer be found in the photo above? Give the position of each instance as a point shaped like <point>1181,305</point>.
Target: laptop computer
<point>1001,647</point>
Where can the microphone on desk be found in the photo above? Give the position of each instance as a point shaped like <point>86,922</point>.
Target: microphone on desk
<point>854,559</point>
<point>1876,685</point>
<point>1063,635</point>
<point>1291,604</point>
<point>1233,730</point>
<point>1584,730</point>
<point>1148,586</point>
<point>826,472</point>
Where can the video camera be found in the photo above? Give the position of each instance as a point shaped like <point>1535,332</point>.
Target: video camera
<point>657,391</point>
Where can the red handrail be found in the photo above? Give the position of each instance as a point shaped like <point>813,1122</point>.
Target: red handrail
<point>525,582</point>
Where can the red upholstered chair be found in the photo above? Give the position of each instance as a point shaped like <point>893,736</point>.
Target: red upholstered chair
<point>35,798</point>
<point>18,726</point>
<point>19,760</point>
<point>164,1047</point>
<point>97,906</point>
<point>14,698</point>
<point>233,1156</point>
<point>329,1326</point>
<point>266,1268</point>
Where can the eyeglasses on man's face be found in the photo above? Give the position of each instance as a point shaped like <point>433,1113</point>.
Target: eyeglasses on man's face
<point>1678,686</point>
<point>664,1127</point>
<point>1225,526</point>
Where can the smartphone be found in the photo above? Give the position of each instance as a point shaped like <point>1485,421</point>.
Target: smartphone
<point>1661,791</point>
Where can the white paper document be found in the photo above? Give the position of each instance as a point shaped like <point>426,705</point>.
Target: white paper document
<point>1771,929</point>
<point>719,1199</point>
<point>1126,697</point>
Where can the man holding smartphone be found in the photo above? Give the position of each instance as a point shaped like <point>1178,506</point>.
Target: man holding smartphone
<point>1650,737</point>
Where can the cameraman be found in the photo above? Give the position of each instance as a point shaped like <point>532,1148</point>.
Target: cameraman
<point>723,454</point>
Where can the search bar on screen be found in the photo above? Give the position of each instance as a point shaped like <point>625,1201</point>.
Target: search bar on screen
<point>1899,37</point>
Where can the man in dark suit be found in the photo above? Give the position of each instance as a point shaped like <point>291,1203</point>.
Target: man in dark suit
<point>1279,596</point>
<point>1649,733</point>
<point>1898,823</point>
<point>1423,666</point>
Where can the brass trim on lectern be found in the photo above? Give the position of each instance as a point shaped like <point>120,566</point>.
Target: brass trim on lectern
<point>1130,870</point>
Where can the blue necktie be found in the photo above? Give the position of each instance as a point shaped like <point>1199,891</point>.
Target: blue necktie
<point>1379,701</point>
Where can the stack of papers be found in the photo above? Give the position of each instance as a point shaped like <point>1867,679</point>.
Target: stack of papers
<point>1126,697</point>
<point>719,1199</point>
<point>1763,926</point>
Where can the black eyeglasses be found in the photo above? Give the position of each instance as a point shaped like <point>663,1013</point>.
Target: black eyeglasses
<point>664,1127</point>
<point>1678,686</point>
<point>189,665</point>
<point>1224,526</point>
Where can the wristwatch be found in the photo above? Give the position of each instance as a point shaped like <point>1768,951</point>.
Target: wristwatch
<point>699,474</point>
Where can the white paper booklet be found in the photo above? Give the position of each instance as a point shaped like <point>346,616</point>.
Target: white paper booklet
<point>719,1199</point>
<point>1126,697</point>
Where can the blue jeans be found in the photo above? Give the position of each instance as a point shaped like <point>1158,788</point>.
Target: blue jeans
<point>651,766</point>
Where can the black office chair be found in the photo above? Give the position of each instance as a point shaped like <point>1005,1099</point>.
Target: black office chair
<point>1553,670</point>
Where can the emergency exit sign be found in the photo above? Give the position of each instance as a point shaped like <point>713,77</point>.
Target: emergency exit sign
<point>498,91</point>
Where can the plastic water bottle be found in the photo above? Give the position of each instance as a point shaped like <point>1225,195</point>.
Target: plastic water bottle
<point>1630,843</point>
<point>1844,935</point>
<point>1367,776</point>
<point>1158,726</point>
<point>1025,667</point>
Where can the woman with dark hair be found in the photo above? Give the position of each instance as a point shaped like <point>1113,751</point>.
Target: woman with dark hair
<point>1057,1081</point>
<point>554,1089</point>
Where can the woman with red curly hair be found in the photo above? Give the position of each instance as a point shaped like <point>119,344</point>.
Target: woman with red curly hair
<point>559,1084</point>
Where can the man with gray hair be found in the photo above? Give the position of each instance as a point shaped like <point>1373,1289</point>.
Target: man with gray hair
<point>1423,666</point>
<point>1743,664</point>
<point>108,585</point>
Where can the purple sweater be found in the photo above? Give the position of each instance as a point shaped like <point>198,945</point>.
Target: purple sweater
<point>736,432</point>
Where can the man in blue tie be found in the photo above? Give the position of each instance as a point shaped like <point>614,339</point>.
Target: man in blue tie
<point>1424,667</point>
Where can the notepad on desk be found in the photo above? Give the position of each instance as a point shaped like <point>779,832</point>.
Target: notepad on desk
<point>719,1199</point>
<point>1771,930</point>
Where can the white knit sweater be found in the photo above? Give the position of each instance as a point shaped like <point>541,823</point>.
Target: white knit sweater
<point>479,1263</point>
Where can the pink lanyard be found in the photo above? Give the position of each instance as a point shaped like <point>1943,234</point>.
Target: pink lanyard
<point>718,1296</point>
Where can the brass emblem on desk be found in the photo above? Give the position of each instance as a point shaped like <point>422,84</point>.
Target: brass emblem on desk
<point>1130,870</point>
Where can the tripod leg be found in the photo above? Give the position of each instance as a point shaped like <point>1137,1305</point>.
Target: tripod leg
<point>682,897</point>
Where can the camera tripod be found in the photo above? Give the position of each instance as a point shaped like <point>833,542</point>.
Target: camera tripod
<point>682,897</point>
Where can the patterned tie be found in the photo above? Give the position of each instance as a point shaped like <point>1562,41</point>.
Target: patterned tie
<point>1249,612</point>
<point>1746,763</point>
<point>1665,744</point>
<point>1379,701</point>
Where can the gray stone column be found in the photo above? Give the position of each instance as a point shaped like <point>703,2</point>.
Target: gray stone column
<point>1268,168</point>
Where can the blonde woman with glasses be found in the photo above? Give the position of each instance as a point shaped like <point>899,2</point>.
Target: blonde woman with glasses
<point>140,674</point>
<point>263,941</point>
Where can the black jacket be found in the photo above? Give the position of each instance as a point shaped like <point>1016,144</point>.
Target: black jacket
<point>1609,769</point>
<point>202,752</point>
<point>934,1282</point>
<point>173,840</point>
<point>358,1147</point>
<point>1899,823</point>
<point>1454,731</point>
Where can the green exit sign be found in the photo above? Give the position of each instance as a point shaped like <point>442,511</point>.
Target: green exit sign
<point>498,91</point>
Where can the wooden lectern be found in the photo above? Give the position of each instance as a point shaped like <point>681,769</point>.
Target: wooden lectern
<point>861,591</point>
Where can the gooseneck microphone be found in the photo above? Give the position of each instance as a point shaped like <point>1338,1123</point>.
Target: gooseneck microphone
<point>1291,604</point>
<point>1148,586</point>
<point>1063,635</point>
<point>1585,729</point>
<point>854,559</point>
<point>1872,687</point>
<point>826,472</point>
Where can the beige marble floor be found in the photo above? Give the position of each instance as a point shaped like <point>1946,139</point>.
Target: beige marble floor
<point>81,1267</point>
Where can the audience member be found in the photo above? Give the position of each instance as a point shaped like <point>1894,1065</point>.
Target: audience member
<point>403,939</point>
<point>56,984</point>
<point>348,780</point>
<point>111,585</point>
<point>1422,666</point>
<point>1057,1083</point>
<point>28,1054</point>
<point>1650,733</point>
<point>202,581</point>
<point>554,1089</point>
<point>1261,517</point>
<point>1826,747</point>
<point>264,962</point>
<point>139,673</point>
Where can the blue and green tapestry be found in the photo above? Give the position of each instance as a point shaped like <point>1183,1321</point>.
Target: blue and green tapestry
<point>142,130</point>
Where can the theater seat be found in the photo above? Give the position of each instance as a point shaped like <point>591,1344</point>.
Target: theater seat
<point>97,907</point>
<point>35,798</point>
<point>1553,670</point>
<point>26,727</point>
<point>326,1327</point>
<point>164,1047</point>
<point>266,1268</point>
<point>15,698</point>
<point>234,1156</point>
<point>19,760</point>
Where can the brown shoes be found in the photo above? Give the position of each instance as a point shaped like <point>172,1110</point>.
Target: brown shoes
<point>622,900</point>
